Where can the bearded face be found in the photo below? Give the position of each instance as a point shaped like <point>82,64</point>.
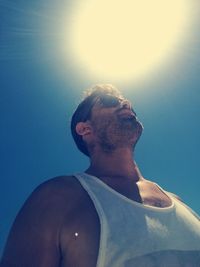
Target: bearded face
<point>115,128</point>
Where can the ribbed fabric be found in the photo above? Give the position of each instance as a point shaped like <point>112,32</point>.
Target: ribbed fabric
<point>137,235</point>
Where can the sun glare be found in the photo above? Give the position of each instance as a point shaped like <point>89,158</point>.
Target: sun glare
<point>126,39</point>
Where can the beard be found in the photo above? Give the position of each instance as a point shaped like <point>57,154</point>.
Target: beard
<point>117,132</point>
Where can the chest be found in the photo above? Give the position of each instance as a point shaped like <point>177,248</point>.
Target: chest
<point>80,234</point>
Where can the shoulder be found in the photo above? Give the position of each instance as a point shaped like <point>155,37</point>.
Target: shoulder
<point>48,206</point>
<point>55,191</point>
<point>40,220</point>
<point>174,196</point>
<point>59,184</point>
<point>51,202</point>
<point>157,186</point>
<point>38,223</point>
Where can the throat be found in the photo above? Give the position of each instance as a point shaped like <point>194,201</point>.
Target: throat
<point>118,166</point>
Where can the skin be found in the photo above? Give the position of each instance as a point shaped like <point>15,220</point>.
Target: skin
<point>58,224</point>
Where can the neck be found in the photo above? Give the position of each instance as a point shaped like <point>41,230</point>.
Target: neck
<point>118,164</point>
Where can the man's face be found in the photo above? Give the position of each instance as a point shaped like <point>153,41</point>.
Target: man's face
<point>115,126</point>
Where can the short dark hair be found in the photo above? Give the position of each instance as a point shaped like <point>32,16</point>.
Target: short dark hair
<point>83,111</point>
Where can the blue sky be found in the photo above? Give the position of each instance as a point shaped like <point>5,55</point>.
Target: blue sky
<point>39,93</point>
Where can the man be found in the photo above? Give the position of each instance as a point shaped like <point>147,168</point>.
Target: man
<point>108,216</point>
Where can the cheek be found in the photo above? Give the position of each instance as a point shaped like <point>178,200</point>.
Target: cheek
<point>103,122</point>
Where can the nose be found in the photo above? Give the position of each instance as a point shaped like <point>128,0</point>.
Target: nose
<point>125,104</point>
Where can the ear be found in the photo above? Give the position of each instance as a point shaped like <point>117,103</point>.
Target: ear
<point>83,128</point>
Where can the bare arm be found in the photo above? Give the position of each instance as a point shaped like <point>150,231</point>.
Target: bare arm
<point>34,236</point>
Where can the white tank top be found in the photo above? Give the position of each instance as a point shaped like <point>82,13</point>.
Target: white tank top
<point>137,235</point>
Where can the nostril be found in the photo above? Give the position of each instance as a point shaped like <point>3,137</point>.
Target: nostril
<point>126,104</point>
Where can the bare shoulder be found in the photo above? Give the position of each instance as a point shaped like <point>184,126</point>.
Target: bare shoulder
<point>36,228</point>
<point>50,202</point>
<point>175,196</point>
<point>59,184</point>
<point>56,192</point>
<point>155,187</point>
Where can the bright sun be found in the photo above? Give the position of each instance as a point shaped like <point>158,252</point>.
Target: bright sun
<point>126,39</point>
